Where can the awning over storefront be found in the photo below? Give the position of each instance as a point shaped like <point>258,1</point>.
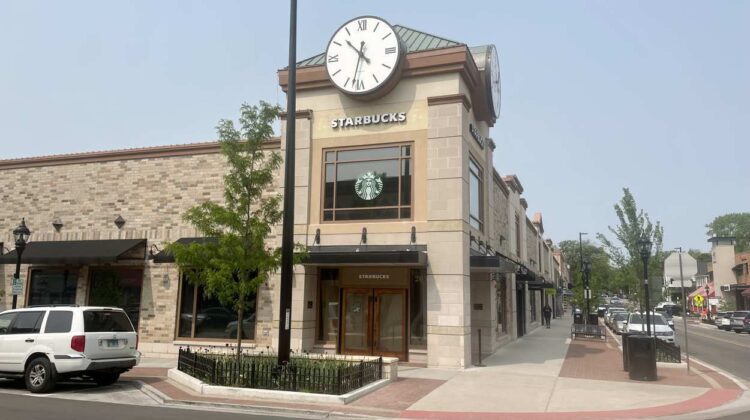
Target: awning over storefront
<point>493,264</point>
<point>165,256</point>
<point>700,291</point>
<point>79,252</point>
<point>403,255</point>
<point>539,285</point>
<point>524,274</point>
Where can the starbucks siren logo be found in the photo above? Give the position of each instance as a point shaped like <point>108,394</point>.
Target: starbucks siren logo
<point>368,186</point>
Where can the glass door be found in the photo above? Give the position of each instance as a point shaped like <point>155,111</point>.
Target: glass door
<point>356,322</point>
<point>390,323</point>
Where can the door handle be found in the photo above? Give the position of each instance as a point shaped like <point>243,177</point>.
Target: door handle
<point>29,340</point>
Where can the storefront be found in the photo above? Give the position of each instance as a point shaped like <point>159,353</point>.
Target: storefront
<point>412,249</point>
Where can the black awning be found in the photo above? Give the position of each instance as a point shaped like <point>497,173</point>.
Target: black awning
<point>164,256</point>
<point>79,252</point>
<point>404,255</point>
<point>524,274</point>
<point>539,285</point>
<point>493,264</point>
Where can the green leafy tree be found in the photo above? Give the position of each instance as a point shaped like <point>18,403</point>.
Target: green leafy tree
<point>732,224</point>
<point>623,250</point>
<point>231,267</point>
<point>603,275</point>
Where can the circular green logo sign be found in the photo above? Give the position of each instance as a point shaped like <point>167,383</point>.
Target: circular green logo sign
<point>368,186</point>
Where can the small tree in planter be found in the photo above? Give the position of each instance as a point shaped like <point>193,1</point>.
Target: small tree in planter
<point>232,265</point>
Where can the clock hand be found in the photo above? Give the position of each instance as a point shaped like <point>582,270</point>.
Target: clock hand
<point>362,54</point>
<point>356,71</point>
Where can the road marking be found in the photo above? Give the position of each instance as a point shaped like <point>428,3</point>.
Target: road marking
<point>719,339</point>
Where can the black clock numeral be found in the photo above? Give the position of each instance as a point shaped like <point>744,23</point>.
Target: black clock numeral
<point>347,31</point>
<point>359,85</point>
<point>386,65</point>
<point>337,72</point>
<point>376,26</point>
<point>347,82</point>
<point>376,79</point>
<point>333,58</point>
<point>387,35</point>
<point>390,50</point>
<point>336,43</point>
<point>362,25</point>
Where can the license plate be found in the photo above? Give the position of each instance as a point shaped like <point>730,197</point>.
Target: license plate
<point>112,343</point>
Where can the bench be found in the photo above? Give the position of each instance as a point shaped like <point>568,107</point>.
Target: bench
<point>588,331</point>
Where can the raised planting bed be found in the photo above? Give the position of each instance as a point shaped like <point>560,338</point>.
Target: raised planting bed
<point>320,374</point>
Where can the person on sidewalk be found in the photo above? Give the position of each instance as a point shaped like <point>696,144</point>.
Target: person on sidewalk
<point>547,314</point>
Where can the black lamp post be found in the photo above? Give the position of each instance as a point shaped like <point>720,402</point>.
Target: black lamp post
<point>586,290</point>
<point>21,234</point>
<point>708,307</point>
<point>644,245</point>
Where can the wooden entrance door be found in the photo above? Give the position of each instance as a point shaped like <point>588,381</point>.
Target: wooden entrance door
<point>374,322</point>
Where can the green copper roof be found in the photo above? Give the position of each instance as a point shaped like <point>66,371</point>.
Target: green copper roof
<point>412,39</point>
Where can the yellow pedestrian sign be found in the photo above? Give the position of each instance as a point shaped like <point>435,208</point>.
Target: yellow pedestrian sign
<point>698,299</point>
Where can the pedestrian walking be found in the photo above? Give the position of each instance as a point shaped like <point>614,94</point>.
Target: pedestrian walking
<point>547,314</point>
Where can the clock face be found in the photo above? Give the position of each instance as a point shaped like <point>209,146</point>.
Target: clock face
<point>363,55</point>
<point>493,80</point>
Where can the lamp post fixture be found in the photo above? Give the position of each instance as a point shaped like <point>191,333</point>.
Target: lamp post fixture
<point>586,289</point>
<point>708,307</point>
<point>644,246</point>
<point>21,235</point>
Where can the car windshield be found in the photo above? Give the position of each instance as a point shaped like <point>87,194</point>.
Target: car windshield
<point>656,319</point>
<point>621,316</point>
<point>741,314</point>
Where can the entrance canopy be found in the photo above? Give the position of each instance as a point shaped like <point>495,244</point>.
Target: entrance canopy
<point>165,256</point>
<point>79,252</point>
<point>700,291</point>
<point>398,255</point>
<point>492,264</point>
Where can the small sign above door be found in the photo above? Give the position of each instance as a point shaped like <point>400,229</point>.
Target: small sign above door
<point>374,276</point>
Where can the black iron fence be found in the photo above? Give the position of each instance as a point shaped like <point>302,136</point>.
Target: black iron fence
<point>667,352</point>
<point>303,373</point>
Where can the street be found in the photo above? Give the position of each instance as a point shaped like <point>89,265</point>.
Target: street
<point>724,349</point>
<point>76,400</point>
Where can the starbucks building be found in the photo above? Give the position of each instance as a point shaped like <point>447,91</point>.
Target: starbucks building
<point>417,244</point>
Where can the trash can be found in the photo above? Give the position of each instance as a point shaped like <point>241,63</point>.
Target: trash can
<point>642,357</point>
<point>625,356</point>
<point>578,318</point>
<point>593,319</point>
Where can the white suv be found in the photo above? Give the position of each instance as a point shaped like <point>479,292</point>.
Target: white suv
<point>43,344</point>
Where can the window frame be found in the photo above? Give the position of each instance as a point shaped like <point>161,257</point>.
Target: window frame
<point>335,162</point>
<point>320,309</point>
<point>480,178</point>
<point>67,270</point>
<point>183,280</point>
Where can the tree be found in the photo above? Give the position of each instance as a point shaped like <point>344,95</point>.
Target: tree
<point>624,251</point>
<point>603,277</point>
<point>732,224</point>
<point>232,266</point>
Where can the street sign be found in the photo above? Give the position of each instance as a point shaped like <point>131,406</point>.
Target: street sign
<point>16,286</point>
<point>672,269</point>
<point>698,300</point>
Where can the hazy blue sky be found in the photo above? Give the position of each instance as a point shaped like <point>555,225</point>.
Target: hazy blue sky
<point>652,95</point>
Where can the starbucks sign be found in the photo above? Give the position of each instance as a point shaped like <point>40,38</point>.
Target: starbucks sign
<point>368,186</point>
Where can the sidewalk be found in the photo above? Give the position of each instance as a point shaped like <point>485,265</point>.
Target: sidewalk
<point>543,375</point>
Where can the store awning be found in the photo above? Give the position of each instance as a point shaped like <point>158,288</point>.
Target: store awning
<point>524,274</point>
<point>164,256</point>
<point>399,255</point>
<point>700,291</point>
<point>492,264</point>
<point>539,285</point>
<point>79,252</point>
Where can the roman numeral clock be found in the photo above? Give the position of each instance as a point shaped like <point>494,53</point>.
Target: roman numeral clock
<point>364,58</point>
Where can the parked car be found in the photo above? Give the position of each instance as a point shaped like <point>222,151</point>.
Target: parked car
<point>660,329</point>
<point>619,322</point>
<point>610,312</point>
<point>718,317</point>
<point>725,321</point>
<point>42,345</point>
<point>740,321</point>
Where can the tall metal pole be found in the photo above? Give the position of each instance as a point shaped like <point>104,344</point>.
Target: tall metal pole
<point>583,286</point>
<point>684,308</point>
<point>648,303</point>
<point>287,235</point>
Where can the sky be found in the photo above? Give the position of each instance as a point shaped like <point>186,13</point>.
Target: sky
<point>596,95</point>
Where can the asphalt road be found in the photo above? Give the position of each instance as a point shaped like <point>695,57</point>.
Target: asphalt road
<point>724,349</point>
<point>26,407</point>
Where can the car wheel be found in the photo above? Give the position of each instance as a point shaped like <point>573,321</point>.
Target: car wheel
<point>738,331</point>
<point>40,375</point>
<point>104,379</point>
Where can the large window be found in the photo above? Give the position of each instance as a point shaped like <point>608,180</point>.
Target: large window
<point>328,310</point>
<point>118,287</point>
<point>53,287</point>
<point>518,235</point>
<point>500,299</point>
<point>202,316</point>
<point>368,184</point>
<point>476,215</point>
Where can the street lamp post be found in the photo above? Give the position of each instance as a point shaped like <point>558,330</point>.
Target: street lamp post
<point>708,307</point>
<point>21,235</point>
<point>586,289</point>
<point>644,245</point>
